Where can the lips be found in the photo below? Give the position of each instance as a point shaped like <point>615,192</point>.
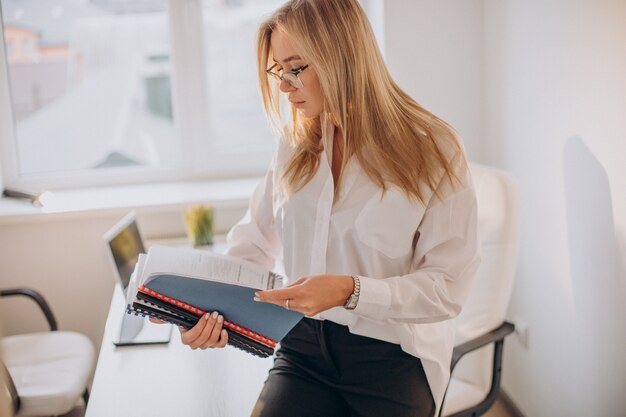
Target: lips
<point>296,102</point>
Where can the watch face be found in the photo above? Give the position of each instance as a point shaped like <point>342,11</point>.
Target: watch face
<point>351,304</point>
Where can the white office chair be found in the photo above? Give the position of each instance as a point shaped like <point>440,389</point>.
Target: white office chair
<point>48,372</point>
<point>481,326</point>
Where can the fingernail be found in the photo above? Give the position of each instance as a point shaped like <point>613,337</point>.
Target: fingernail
<point>220,319</point>
<point>224,333</point>
<point>257,299</point>
<point>256,294</point>
<point>206,316</point>
<point>215,314</point>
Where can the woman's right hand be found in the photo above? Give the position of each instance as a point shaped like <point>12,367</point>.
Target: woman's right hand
<point>207,333</point>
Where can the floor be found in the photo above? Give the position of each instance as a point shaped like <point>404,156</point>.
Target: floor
<point>498,410</point>
<point>78,411</point>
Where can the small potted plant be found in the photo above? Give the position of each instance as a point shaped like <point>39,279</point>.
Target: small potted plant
<point>199,224</point>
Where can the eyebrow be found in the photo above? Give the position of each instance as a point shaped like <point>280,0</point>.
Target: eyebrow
<point>288,59</point>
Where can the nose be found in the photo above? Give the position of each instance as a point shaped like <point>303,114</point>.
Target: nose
<point>285,87</point>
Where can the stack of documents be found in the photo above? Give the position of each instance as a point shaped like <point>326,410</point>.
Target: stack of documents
<point>180,285</point>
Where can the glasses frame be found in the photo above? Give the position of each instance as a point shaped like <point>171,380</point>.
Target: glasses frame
<point>291,77</point>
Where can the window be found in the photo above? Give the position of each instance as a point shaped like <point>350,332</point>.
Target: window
<point>90,87</point>
<point>235,110</point>
<point>119,91</point>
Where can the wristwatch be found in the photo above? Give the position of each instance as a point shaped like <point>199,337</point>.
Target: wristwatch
<point>353,300</point>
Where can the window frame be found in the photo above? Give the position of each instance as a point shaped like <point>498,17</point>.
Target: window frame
<point>200,160</point>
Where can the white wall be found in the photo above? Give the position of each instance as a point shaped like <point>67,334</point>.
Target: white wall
<point>64,257</point>
<point>65,260</point>
<point>556,118</point>
<point>539,88</point>
<point>434,50</point>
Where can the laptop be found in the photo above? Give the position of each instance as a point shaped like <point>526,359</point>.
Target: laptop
<point>124,244</point>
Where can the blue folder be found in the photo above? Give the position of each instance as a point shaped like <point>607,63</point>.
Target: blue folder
<point>234,302</point>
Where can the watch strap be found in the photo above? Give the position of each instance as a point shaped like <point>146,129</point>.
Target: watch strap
<point>353,299</point>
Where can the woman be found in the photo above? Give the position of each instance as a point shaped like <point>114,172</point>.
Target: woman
<point>370,204</point>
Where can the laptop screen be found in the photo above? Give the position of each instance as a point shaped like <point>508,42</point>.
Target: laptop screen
<point>125,244</point>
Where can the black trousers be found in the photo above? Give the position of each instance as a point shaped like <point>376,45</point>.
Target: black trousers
<point>323,370</point>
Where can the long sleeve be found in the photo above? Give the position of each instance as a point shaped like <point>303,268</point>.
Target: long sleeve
<point>255,237</point>
<point>445,260</point>
<point>416,261</point>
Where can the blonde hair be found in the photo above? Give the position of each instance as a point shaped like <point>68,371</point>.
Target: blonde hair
<point>394,139</point>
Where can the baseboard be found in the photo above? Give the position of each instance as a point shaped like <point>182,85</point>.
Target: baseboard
<point>508,403</point>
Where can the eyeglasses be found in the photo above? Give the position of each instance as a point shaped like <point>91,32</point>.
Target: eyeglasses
<point>292,77</point>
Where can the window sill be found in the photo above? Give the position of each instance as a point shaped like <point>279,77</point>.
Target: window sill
<point>150,198</point>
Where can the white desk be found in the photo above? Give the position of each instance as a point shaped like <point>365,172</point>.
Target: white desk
<point>172,380</point>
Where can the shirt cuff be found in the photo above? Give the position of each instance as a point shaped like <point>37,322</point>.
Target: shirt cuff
<point>374,299</point>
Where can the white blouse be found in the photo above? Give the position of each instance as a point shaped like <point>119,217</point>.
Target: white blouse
<point>415,263</point>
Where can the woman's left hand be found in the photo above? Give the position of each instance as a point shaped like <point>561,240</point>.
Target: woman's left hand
<point>311,295</point>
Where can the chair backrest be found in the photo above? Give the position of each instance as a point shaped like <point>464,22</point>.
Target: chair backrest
<point>487,303</point>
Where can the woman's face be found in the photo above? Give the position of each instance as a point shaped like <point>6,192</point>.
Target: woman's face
<point>309,99</point>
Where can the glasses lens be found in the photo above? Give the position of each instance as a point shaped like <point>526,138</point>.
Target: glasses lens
<point>293,80</point>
